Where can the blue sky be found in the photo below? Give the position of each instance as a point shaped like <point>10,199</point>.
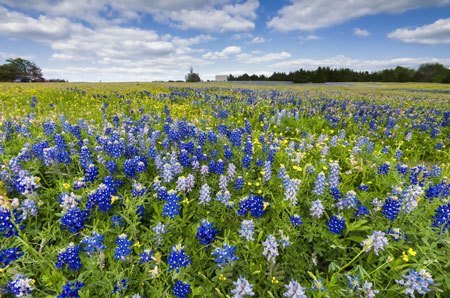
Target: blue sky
<point>139,40</point>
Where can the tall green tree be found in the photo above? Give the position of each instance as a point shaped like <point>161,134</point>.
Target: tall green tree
<point>19,68</point>
<point>192,76</point>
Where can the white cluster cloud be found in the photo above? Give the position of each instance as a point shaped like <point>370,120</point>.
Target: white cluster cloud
<point>205,15</point>
<point>306,15</point>
<point>258,59</point>
<point>224,54</point>
<point>361,32</point>
<point>43,28</point>
<point>431,34</point>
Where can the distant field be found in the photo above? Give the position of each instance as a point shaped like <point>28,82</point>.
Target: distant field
<point>160,189</point>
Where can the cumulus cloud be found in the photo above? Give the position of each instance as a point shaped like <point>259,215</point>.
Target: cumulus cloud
<point>431,34</point>
<point>309,15</point>
<point>342,61</point>
<point>258,39</point>
<point>224,54</point>
<point>361,32</point>
<point>205,15</point>
<point>42,28</point>
<point>257,59</point>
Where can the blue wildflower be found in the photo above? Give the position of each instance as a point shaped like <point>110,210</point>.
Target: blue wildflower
<point>93,244</point>
<point>9,255</point>
<point>391,208</point>
<point>20,286</point>
<point>181,289</point>
<point>206,232</point>
<point>70,257</point>
<point>178,258</point>
<point>441,218</point>
<point>296,220</point>
<point>253,204</point>
<point>74,219</point>
<point>123,248</point>
<point>336,224</point>
<point>225,254</point>
<point>71,289</point>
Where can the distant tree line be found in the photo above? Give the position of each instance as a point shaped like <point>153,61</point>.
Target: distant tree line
<point>428,72</point>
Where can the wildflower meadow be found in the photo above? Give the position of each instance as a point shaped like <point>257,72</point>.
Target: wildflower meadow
<point>222,190</point>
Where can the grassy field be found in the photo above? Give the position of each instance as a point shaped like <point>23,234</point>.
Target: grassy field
<point>224,190</point>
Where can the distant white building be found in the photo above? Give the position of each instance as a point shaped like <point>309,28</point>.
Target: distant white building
<point>221,78</point>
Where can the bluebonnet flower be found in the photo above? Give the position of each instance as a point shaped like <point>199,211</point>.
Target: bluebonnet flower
<point>436,171</point>
<point>172,207</point>
<point>336,224</point>
<point>160,229</point>
<point>441,217</point>
<point>319,185</point>
<point>238,183</point>
<point>367,291</point>
<point>410,198</point>
<point>68,201</point>
<point>20,286</point>
<point>146,256</point>
<point>231,171</point>
<point>439,190</point>
<point>138,189</point>
<point>70,256</point>
<point>74,219</point>
<point>291,189</point>
<point>181,289</point>
<point>9,255</point>
<point>247,229</point>
<point>93,244</point>
<point>178,258</point>
<point>294,290</point>
<point>100,197</point>
<point>391,208</point>
<point>204,170</point>
<point>246,160</point>
<point>296,220</point>
<point>206,232</point>
<point>384,169</point>
<point>71,289</point>
<point>270,248</point>
<point>7,228</point>
<point>361,210</point>
<point>398,154</point>
<point>317,209</point>
<point>223,183</point>
<point>349,201</point>
<point>352,282</point>
<point>225,255</point>
<point>254,205</point>
<point>205,195</point>
<point>333,179</point>
<point>267,171</point>
<point>416,282</point>
<point>377,241</point>
<point>336,194</point>
<point>111,166</point>
<point>242,288</point>
<point>402,168</point>
<point>26,184</point>
<point>90,173</point>
<point>29,208</point>
<point>123,248</point>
